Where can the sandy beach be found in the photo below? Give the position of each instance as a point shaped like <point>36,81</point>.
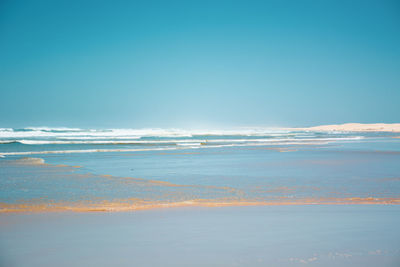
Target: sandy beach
<point>163,198</point>
<point>354,127</point>
<point>199,133</point>
<point>285,236</point>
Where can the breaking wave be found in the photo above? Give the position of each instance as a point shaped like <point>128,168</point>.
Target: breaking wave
<point>48,140</point>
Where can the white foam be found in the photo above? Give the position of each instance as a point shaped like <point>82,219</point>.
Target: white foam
<point>97,137</point>
<point>188,146</point>
<point>50,129</point>
<point>175,141</point>
<point>64,132</point>
<point>6,129</point>
<point>150,132</point>
<point>132,133</point>
<point>72,151</point>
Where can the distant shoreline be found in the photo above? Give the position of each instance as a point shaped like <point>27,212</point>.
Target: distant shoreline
<point>354,127</point>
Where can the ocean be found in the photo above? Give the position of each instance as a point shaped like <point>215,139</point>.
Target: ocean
<point>241,197</point>
<point>170,166</point>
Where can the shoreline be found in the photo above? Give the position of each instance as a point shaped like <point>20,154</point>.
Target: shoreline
<point>352,127</point>
<point>235,197</point>
<point>124,205</point>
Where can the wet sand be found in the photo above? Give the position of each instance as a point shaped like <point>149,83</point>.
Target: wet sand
<point>62,188</point>
<point>138,204</point>
<point>319,235</point>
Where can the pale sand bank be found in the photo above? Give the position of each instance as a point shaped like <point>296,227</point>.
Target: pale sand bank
<point>355,127</point>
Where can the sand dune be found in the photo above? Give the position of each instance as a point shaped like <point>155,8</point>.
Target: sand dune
<point>355,127</point>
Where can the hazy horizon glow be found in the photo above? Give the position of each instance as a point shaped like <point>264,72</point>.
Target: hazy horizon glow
<point>208,64</point>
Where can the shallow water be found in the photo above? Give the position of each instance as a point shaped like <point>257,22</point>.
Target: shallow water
<point>288,185</point>
<point>335,167</point>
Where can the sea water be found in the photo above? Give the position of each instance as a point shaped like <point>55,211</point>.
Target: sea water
<point>242,165</point>
<point>302,197</point>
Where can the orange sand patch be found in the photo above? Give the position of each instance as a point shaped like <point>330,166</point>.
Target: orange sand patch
<point>145,182</point>
<point>29,161</point>
<point>137,204</point>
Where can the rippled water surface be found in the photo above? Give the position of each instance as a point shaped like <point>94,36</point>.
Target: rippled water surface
<point>294,198</point>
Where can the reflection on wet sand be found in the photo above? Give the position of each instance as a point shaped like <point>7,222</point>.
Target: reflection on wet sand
<point>139,204</point>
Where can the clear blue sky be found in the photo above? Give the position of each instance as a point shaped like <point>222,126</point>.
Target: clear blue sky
<point>198,63</point>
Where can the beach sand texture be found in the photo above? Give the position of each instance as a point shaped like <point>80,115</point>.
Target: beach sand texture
<point>355,127</point>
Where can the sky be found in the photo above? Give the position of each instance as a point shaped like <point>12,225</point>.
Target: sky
<point>198,64</point>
